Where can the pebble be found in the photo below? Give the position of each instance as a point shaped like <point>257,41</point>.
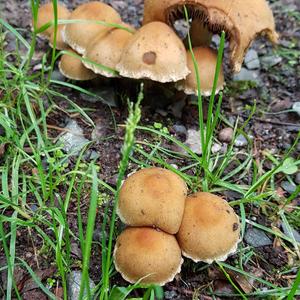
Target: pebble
<point>226,134</point>
<point>294,234</point>
<point>270,61</point>
<point>216,148</point>
<point>288,187</point>
<point>251,60</point>
<point>170,294</point>
<point>194,141</point>
<point>56,75</point>
<point>247,75</point>
<point>240,141</point>
<point>296,108</point>
<point>180,130</point>
<point>73,281</point>
<point>73,140</point>
<point>297,180</point>
<point>257,238</point>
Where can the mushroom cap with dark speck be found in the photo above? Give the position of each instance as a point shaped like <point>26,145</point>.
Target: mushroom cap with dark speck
<point>154,52</point>
<point>147,253</point>
<point>153,197</point>
<point>210,229</point>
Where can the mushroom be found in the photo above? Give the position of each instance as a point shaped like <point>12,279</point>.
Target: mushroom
<point>154,52</point>
<point>46,15</point>
<point>60,44</point>
<point>153,197</point>
<point>107,50</point>
<point>79,34</point>
<point>71,67</point>
<point>207,60</point>
<point>146,254</point>
<point>210,229</point>
<point>242,20</point>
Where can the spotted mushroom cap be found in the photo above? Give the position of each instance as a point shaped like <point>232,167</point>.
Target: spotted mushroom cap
<point>46,15</point>
<point>207,60</point>
<point>72,68</point>
<point>242,20</point>
<point>148,254</point>
<point>210,229</point>
<point>153,197</point>
<point>107,50</point>
<point>154,52</point>
<point>79,35</point>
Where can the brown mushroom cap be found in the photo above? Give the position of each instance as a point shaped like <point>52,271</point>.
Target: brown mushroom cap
<point>107,50</point>
<point>46,15</point>
<point>72,68</point>
<point>154,52</point>
<point>60,44</point>
<point>153,197</point>
<point>147,253</point>
<point>207,61</point>
<point>209,230</point>
<point>79,35</point>
<point>242,20</point>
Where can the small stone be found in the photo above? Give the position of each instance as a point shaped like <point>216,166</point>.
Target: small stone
<point>73,140</point>
<point>270,61</point>
<point>294,234</point>
<point>297,179</point>
<point>170,294</point>
<point>257,238</point>
<point>180,130</point>
<point>288,187</point>
<point>74,281</point>
<point>296,108</point>
<point>247,75</point>
<point>216,148</point>
<point>194,141</point>
<point>56,75</point>
<point>226,134</point>
<point>240,141</point>
<point>251,60</point>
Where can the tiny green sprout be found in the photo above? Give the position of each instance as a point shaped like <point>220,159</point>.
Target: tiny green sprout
<point>50,282</point>
<point>161,128</point>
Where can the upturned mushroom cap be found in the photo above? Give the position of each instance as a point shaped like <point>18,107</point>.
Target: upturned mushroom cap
<point>79,35</point>
<point>72,68</point>
<point>207,61</point>
<point>209,230</point>
<point>148,254</point>
<point>242,20</point>
<point>154,52</point>
<point>153,197</point>
<point>107,50</point>
<point>46,15</point>
<point>60,44</point>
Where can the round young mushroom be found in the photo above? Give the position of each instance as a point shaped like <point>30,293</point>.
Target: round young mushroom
<point>146,254</point>
<point>80,34</point>
<point>154,52</point>
<point>72,68</point>
<point>242,20</point>
<point>107,50</point>
<point>153,197</point>
<point>210,229</point>
<point>207,60</point>
<point>46,15</point>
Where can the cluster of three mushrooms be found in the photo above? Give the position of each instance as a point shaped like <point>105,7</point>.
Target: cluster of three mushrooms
<point>164,224</point>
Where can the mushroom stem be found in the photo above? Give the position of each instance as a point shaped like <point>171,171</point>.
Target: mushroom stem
<point>199,33</point>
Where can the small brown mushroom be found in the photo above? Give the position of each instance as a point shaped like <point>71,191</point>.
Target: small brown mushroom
<point>242,20</point>
<point>46,15</point>
<point>72,67</point>
<point>153,197</point>
<point>79,35</point>
<point>146,254</point>
<point>207,60</point>
<point>154,52</point>
<point>60,44</point>
<point>210,229</point>
<point>107,50</point>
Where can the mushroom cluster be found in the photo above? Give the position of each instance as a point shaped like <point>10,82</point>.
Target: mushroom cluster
<point>111,48</point>
<point>164,224</point>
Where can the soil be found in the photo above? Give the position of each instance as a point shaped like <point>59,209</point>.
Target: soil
<point>276,91</point>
